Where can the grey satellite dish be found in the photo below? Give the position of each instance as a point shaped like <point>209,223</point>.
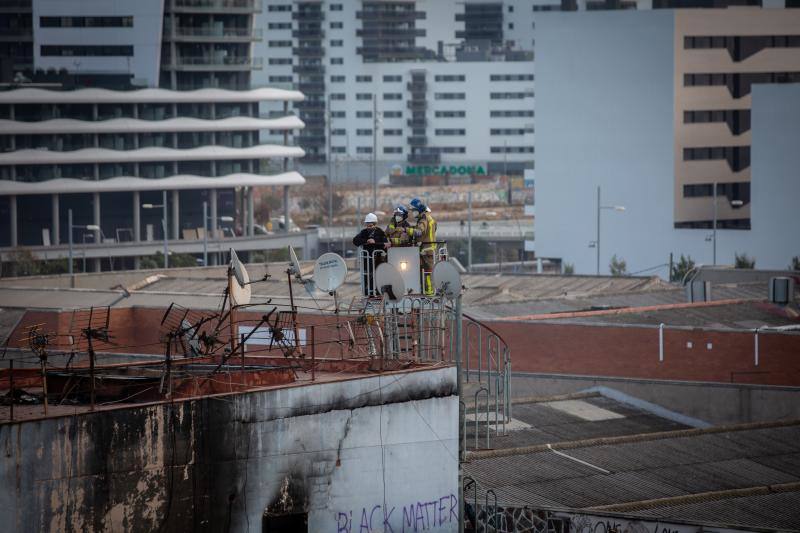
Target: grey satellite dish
<point>447,279</point>
<point>294,264</point>
<point>389,282</point>
<point>240,290</point>
<point>330,271</point>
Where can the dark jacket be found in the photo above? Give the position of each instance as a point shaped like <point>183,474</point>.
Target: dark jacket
<point>371,233</point>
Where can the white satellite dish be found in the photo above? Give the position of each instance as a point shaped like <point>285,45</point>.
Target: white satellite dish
<point>447,279</point>
<point>294,264</point>
<point>389,281</point>
<point>330,271</point>
<point>240,285</point>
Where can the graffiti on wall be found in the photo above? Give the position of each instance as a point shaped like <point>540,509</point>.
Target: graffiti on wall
<point>423,515</point>
<point>599,524</point>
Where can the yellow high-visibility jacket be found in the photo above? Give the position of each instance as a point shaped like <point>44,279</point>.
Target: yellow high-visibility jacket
<point>399,233</point>
<point>425,233</point>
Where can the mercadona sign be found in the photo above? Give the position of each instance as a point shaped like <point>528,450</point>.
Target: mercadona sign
<point>444,170</point>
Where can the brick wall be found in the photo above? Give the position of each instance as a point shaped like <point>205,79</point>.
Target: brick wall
<point>634,352</point>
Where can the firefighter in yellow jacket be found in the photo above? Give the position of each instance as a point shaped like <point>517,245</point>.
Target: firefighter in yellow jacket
<point>425,235</point>
<point>399,231</point>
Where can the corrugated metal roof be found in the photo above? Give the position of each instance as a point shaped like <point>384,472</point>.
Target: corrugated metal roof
<point>666,467</point>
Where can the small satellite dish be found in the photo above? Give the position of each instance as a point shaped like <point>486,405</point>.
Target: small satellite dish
<point>447,279</point>
<point>240,291</point>
<point>389,281</point>
<point>329,272</point>
<point>294,264</point>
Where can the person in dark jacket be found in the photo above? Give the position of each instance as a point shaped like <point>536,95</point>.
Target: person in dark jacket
<point>371,239</point>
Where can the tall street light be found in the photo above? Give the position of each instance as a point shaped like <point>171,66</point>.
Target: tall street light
<point>206,218</point>
<point>376,124</point>
<point>734,203</point>
<point>600,208</point>
<point>163,206</point>
<point>71,227</point>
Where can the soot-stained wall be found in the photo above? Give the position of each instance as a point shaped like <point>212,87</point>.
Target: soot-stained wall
<point>370,454</point>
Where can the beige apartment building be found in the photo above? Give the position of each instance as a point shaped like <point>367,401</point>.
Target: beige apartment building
<point>719,55</point>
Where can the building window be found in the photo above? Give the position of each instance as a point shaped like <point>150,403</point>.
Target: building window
<point>338,96</point>
<point>363,96</point>
<point>363,79</point>
<point>392,149</point>
<point>392,114</point>
<point>364,131</point>
<point>337,25</point>
<point>338,114</point>
<point>86,50</point>
<point>450,114</point>
<point>508,96</point>
<point>511,77</point>
<point>279,44</point>
<point>337,42</point>
<point>392,132</point>
<point>337,79</point>
<point>392,78</point>
<point>450,131</point>
<point>511,149</point>
<point>510,25</point>
<point>279,7</point>
<point>338,149</point>
<point>449,96</point>
<point>510,131</point>
<point>337,61</point>
<point>363,149</point>
<point>336,7</point>
<point>449,77</point>
<point>363,114</point>
<point>392,96</point>
<point>738,157</point>
<point>510,9</point>
<point>453,150</point>
<point>338,132</point>
<point>280,60</point>
<point>554,7</point>
<point>279,26</point>
<point>86,22</point>
<point>280,79</point>
<point>509,113</point>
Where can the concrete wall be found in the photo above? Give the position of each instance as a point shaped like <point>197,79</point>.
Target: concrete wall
<point>352,454</point>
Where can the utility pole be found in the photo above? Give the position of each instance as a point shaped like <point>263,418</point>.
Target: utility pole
<point>469,231</point>
<point>375,124</point>
<point>714,234</point>
<point>597,242</point>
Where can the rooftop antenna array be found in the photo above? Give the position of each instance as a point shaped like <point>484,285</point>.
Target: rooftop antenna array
<point>38,341</point>
<point>93,327</point>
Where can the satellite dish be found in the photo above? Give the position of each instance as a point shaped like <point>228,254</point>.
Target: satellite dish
<point>240,290</point>
<point>329,272</point>
<point>389,281</point>
<point>294,264</point>
<point>447,279</point>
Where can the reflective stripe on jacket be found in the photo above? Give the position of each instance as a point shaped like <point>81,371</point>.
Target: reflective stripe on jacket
<point>399,233</point>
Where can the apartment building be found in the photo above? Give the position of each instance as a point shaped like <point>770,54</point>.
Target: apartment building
<point>126,100</point>
<point>406,85</point>
<point>675,123</point>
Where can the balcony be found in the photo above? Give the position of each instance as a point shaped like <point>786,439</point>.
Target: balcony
<point>309,15</point>
<point>222,63</point>
<point>310,104</point>
<point>417,123</point>
<point>309,51</point>
<point>417,105</point>
<point>427,158</point>
<point>390,15</point>
<point>309,33</point>
<point>417,86</point>
<point>215,6</point>
<point>216,34</point>
<point>396,33</point>
<point>418,140</point>
<point>311,88</point>
<point>308,69</point>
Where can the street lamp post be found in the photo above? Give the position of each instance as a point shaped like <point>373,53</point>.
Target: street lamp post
<point>163,206</point>
<point>70,228</point>
<point>734,203</point>
<point>206,218</point>
<point>599,208</point>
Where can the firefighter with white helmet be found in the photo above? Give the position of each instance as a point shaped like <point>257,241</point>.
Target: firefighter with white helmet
<point>373,241</point>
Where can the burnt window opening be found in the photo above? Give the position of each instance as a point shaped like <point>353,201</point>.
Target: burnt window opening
<point>285,523</point>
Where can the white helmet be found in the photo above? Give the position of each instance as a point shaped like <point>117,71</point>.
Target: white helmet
<point>370,218</point>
